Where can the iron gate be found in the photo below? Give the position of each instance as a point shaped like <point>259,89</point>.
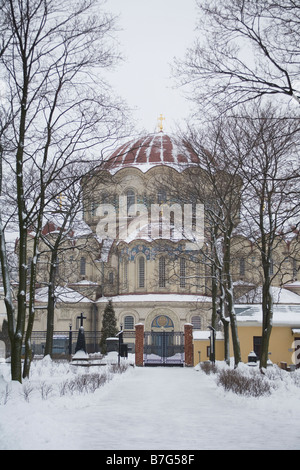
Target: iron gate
<point>164,348</point>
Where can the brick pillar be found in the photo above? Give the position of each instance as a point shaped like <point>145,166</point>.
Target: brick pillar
<point>139,344</point>
<point>188,345</point>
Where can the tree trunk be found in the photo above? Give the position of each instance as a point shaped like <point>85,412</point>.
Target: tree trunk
<point>267,307</point>
<point>230,302</point>
<point>51,304</point>
<point>31,313</point>
<point>214,295</point>
<point>226,323</point>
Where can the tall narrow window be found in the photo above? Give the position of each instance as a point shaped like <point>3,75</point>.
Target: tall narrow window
<point>161,196</point>
<point>94,206</point>
<point>141,271</point>
<point>162,272</point>
<point>295,270</point>
<point>242,267</point>
<point>130,198</point>
<point>111,278</point>
<point>125,277</point>
<point>82,266</point>
<point>182,272</point>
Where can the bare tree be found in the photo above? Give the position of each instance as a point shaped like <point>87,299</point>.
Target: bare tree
<point>61,109</point>
<point>218,187</point>
<point>211,180</point>
<point>250,185</point>
<point>66,236</point>
<point>268,145</point>
<point>245,50</point>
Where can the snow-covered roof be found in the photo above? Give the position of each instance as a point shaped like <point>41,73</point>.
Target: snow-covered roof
<point>205,335</point>
<point>280,296</point>
<point>286,308</point>
<point>62,294</point>
<point>149,151</point>
<point>283,315</point>
<point>77,229</point>
<point>156,298</point>
<point>293,284</point>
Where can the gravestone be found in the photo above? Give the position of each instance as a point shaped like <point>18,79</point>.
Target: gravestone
<point>80,345</point>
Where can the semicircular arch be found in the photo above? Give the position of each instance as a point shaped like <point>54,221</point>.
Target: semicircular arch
<point>160,312</point>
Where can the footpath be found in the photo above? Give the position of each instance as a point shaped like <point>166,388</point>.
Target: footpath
<point>153,408</point>
<point>177,409</point>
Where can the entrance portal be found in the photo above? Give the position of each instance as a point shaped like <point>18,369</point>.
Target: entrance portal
<point>163,346</point>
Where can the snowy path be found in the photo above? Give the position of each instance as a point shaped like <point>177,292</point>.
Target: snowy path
<point>156,408</point>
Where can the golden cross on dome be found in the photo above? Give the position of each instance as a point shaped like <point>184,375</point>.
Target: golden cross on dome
<point>60,198</point>
<point>161,119</point>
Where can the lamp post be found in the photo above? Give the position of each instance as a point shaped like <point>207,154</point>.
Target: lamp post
<point>120,334</point>
<point>212,344</point>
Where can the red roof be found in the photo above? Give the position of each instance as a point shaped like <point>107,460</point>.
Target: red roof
<point>149,151</point>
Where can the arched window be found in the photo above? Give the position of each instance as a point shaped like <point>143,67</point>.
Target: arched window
<point>162,272</point>
<point>104,198</point>
<point>196,322</point>
<point>82,266</point>
<point>162,321</point>
<point>141,272</point>
<point>128,322</point>
<point>182,273</point>
<point>242,266</point>
<point>94,206</point>
<point>161,196</point>
<point>130,198</point>
<point>125,273</point>
<point>111,278</point>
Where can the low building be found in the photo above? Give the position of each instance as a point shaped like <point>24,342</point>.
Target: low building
<point>284,345</point>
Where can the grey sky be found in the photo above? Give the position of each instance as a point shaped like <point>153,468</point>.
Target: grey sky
<point>152,33</point>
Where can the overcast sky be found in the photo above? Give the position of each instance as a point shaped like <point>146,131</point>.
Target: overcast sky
<point>152,33</point>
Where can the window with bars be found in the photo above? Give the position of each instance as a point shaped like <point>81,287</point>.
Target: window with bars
<point>162,272</point>
<point>128,322</point>
<point>141,274</point>
<point>182,273</point>
<point>196,322</point>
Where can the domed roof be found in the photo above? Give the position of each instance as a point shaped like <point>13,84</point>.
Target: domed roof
<point>148,151</point>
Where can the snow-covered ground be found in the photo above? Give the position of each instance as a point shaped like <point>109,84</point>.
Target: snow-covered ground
<point>144,408</point>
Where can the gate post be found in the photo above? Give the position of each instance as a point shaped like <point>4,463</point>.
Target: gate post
<point>139,345</point>
<point>188,344</point>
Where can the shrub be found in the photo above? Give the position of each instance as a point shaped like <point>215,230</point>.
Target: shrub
<point>83,383</point>
<point>119,368</point>
<point>254,385</point>
<point>208,367</point>
<point>46,389</point>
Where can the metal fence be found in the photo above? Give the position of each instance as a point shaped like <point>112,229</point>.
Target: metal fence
<point>63,339</point>
<point>64,342</point>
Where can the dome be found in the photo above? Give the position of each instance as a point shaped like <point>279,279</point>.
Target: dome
<point>149,151</point>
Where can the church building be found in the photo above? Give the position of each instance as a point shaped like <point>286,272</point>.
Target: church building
<point>140,244</point>
<point>149,241</point>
